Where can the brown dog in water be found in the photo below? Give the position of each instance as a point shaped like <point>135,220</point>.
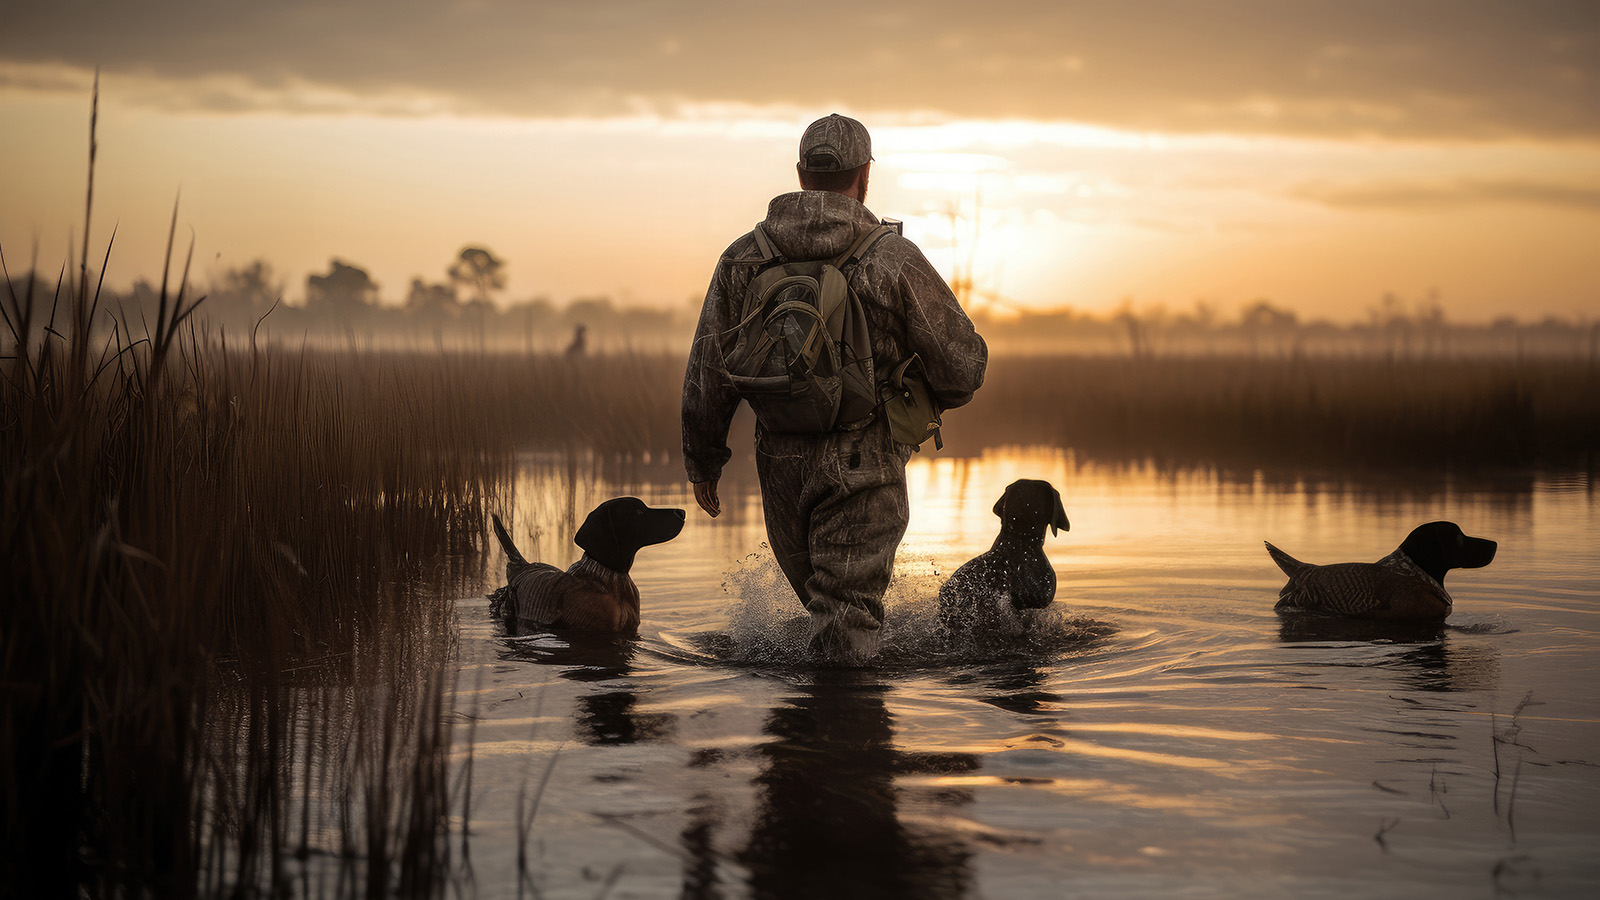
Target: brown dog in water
<point>596,594</point>
<point>1406,585</point>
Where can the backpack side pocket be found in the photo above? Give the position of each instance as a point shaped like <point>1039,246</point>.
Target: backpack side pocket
<point>908,403</point>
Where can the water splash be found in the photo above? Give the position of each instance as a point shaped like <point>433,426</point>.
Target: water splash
<point>767,626</point>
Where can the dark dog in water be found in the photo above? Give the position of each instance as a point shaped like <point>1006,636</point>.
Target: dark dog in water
<point>596,594</point>
<point>1406,585</point>
<point>1014,575</point>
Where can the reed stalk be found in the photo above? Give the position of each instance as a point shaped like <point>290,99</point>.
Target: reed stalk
<point>227,616</point>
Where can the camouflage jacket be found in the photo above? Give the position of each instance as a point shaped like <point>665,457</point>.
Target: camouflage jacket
<point>909,309</point>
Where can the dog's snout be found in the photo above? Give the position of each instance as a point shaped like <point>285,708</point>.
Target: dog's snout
<point>1480,552</point>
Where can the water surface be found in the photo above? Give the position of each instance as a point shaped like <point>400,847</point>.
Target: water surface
<point>1162,731</point>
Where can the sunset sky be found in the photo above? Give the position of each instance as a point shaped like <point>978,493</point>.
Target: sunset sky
<point>1318,154</point>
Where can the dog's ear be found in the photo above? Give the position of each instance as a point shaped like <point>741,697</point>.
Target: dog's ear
<point>598,538</point>
<point>1059,518</point>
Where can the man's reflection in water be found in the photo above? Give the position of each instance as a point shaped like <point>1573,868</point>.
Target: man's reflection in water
<point>828,823</point>
<point>701,876</point>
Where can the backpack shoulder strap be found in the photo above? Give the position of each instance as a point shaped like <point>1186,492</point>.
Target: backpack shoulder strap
<point>764,244</point>
<point>832,302</point>
<point>859,249</point>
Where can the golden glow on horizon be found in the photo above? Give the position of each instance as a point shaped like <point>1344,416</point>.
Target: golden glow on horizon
<point>1039,214</point>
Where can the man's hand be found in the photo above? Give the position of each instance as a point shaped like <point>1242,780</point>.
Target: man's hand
<point>705,494</point>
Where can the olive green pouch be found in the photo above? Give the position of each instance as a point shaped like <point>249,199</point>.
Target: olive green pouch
<point>908,404</point>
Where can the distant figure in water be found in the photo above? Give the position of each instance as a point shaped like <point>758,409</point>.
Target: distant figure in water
<point>1408,584</point>
<point>576,348</point>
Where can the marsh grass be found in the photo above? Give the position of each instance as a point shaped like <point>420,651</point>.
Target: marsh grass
<point>227,628</point>
<point>1333,412</point>
<point>1346,412</point>
<point>229,638</point>
<point>614,407</point>
<point>228,619</point>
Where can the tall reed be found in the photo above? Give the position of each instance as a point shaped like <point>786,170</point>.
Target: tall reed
<point>218,563</point>
<point>227,619</point>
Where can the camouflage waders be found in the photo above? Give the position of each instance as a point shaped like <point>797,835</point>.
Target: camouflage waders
<point>836,510</point>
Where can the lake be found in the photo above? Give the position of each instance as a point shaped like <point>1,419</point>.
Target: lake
<point>1161,732</point>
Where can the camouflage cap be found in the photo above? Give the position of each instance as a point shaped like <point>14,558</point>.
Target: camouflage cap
<point>835,143</point>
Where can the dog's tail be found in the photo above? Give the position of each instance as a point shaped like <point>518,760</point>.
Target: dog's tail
<point>514,561</point>
<point>1287,563</point>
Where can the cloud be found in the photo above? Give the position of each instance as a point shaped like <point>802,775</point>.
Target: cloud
<point>1452,69</point>
<point>1416,196</point>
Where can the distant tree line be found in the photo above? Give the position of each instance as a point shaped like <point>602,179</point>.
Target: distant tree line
<point>465,309</point>
<point>1392,328</point>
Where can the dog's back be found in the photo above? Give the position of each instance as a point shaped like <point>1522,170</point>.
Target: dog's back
<point>585,597</point>
<point>1382,590</point>
<point>994,586</point>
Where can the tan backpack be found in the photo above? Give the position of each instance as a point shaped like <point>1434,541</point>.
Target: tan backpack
<point>802,355</point>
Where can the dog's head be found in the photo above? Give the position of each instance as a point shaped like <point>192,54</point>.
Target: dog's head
<point>1438,547</point>
<point>616,530</point>
<point>1028,505</point>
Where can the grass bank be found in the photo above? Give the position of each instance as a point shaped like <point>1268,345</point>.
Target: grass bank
<point>1372,412</point>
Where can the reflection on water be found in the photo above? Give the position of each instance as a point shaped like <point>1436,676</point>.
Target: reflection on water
<point>1160,731</point>
<point>611,716</point>
<point>1018,687</point>
<point>1422,651</point>
<point>828,824</point>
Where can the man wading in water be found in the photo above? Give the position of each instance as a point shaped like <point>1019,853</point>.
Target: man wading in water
<point>834,493</point>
